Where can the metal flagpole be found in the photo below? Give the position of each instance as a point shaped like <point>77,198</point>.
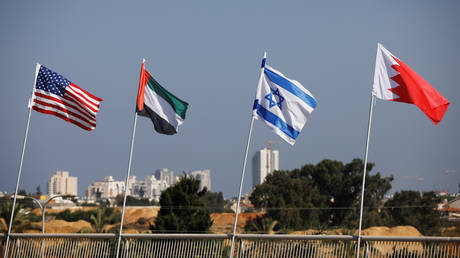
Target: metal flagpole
<point>20,164</point>
<point>127,178</point>
<point>371,109</point>
<point>126,183</point>
<point>244,164</point>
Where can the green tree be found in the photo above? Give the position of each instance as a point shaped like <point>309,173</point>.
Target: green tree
<point>342,185</point>
<point>411,208</point>
<point>102,217</point>
<point>182,210</point>
<point>22,220</point>
<point>38,191</point>
<point>283,193</point>
<point>323,195</point>
<point>22,192</point>
<point>133,201</point>
<point>214,202</point>
<point>260,225</point>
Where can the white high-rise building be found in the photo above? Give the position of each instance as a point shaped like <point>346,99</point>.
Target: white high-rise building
<point>150,188</point>
<point>204,176</point>
<point>264,162</point>
<point>62,183</point>
<point>166,175</point>
<point>108,188</point>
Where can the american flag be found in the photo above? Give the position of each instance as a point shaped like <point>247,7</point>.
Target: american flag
<point>55,95</point>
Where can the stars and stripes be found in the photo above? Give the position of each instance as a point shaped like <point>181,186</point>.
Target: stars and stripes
<point>55,95</point>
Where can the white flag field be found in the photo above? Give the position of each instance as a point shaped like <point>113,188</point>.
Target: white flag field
<point>284,104</point>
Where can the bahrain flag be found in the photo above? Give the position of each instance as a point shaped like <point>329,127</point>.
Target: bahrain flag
<point>395,81</point>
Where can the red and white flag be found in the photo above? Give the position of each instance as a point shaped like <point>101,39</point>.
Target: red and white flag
<point>395,81</point>
<point>57,96</point>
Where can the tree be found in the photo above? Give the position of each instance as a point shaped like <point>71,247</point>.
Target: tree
<point>342,184</point>
<point>181,209</point>
<point>214,202</point>
<point>38,191</point>
<point>22,192</point>
<point>282,194</point>
<point>22,220</point>
<point>102,217</point>
<point>411,208</point>
<point>133,201</point>
<point>323,195</point>
<point>260,225</point>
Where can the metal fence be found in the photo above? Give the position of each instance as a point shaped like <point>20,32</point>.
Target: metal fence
<point>218,245</point>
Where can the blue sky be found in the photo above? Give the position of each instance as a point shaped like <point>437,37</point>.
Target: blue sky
<point>208,53</point>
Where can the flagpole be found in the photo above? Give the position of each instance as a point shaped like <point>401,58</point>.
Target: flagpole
<point>244,165</point>
<point>371,109</point>
<point>21,162</point>
<point>127,182</point>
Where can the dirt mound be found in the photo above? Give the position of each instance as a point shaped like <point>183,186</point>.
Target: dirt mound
<point>394,231</point>
<point>133,214</point>
<point>397,248</point>
<point>62,226</point>
<point>223,222</point>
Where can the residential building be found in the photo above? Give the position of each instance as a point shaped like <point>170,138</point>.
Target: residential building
<point>150,188</point>
<point>264,162</point>
<point>63,183</point>
<point>108,188</point>
<point>204,176</point>
<point>165,175</point>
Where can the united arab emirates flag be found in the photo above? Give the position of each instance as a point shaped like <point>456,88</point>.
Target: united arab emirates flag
<point>166,110</point>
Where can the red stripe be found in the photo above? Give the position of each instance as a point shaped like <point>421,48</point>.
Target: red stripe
<point>49,112</point>
<point>89,94</point>
<point>69,102</point>
<point>144,77</point>
<point>71,97</point>
<point>82,110</point>
<point>77,115</point>
<point>81,96</point>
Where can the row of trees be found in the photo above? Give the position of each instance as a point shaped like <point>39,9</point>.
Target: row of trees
<point>322,196</point>
<point>327,195</point>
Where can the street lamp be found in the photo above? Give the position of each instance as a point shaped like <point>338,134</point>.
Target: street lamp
<point>42,206</point>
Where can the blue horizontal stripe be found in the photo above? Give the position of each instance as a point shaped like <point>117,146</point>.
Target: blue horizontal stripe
<point>291,87</point>
<point>277,122</point>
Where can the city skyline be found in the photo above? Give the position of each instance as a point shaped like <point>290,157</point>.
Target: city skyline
<point>453,188</point>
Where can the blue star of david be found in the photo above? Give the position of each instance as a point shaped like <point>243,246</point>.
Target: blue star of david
<point>272,100</point>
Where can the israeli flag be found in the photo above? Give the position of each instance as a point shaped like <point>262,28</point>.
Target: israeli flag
<point>284,104</point>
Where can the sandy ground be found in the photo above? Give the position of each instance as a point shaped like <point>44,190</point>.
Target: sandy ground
<point>138,219</point>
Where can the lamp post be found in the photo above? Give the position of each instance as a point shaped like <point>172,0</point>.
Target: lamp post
<point>42,206</point>
<point>42,209</point>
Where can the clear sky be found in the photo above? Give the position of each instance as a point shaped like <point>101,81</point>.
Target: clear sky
<point>208,53</point>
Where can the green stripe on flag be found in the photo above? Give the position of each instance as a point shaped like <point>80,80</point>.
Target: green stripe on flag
<point>178,105</point>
